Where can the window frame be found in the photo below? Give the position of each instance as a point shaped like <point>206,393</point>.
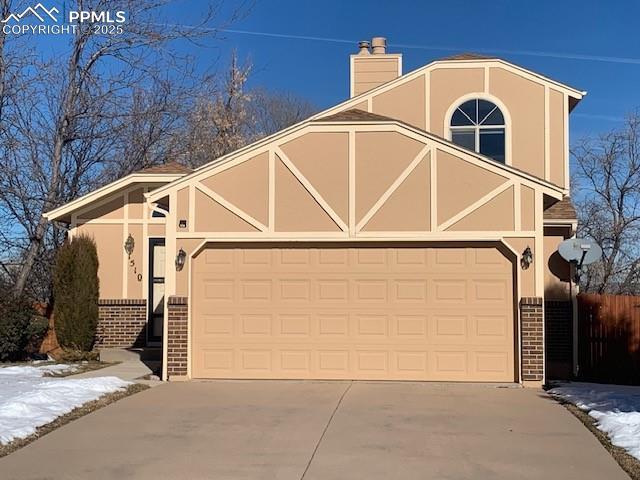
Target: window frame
<point>448,128</point>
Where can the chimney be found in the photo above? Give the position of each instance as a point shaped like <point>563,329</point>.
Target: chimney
<point>372,67</point>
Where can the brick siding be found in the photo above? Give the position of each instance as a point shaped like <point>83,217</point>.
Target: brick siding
<point>122,323</point>
<point>177,337</point>
<point>558,324</point>
<point>532,321</point>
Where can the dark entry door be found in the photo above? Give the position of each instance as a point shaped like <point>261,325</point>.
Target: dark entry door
<point>156,291</point>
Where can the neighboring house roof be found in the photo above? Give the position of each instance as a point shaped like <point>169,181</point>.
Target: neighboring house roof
<point>169,167</point>
<point>562,210</point>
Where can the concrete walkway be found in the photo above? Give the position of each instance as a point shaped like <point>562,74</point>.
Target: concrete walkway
<point>320,430</point>
<point>130,367</point>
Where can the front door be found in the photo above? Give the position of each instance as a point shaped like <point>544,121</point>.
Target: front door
<point>156,291</point>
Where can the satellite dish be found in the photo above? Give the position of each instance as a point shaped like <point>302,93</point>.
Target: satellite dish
<point>580,251</point>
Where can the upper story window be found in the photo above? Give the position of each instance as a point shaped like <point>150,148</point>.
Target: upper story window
<point>479,125</point>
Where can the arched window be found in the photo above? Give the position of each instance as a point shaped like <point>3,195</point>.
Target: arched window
<point>479,126</point>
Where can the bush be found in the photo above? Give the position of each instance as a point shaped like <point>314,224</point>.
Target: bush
<point>16,329</point>
<point>38,328</point>
<point>75,291</point>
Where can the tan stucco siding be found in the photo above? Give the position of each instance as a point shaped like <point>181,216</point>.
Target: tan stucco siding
<point>189,245</point>
<point>524,100</point>
<point>527,276</point>
<point>135,271</point>
<point>447,86</point>
<point>110,209</point>
<point>534,107</point>
<point>109,242</point>
<point>136,203</point>
<point>557,276</point>
<point>496,214</point>
<point>380,158</point>
<point>295,209</point>
<point>323,158</point>
<point>557,161</point>
<point>156,230</point>
<point>405,102</point>
<point>245,185</point>
<point>182,210</point>
<point>345,180</point>
<point>213,217</point>
<point>118,215</point>
<point>460,184</point>
<point>396,215</point>
<point>527,212</point>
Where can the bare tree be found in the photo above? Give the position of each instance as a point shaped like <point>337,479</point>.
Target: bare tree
<point>607,183</point>
<point>275,111</point>
<point>227,115</point>
<point>217,123</point>
<point>71,116</point>
<point>112,105</point>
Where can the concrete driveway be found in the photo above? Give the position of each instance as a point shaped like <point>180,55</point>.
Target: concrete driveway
<point>320,430</point>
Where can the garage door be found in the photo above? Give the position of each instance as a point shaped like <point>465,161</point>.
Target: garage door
<point>353,312</point>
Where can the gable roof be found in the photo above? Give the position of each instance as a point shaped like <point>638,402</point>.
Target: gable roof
<point>562,210</point>
<point>169,167</point>
<point>342,116</point>
<point>575,95</point>
<point>354,117</point>
<point>146,176</point>
<point>468,56</point>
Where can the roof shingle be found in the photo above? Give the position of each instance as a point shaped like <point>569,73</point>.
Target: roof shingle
<point>562,210</point>
<point>355,115</point>
<point>469,56</point>
<point>169,167</point>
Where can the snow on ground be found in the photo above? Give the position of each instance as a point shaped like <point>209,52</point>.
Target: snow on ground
<point>36,372</point>
<point>29,400</point>
<point>615,408</point>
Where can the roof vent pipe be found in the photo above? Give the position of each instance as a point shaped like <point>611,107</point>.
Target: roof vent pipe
<point>363,48</point>
<point>379,45</point>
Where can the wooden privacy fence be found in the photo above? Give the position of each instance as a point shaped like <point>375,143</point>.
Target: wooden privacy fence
<point>609,338</point>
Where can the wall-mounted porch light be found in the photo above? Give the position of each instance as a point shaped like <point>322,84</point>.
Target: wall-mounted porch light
<point>527,258</point>
<point>181,257</point>
<point>129,245</point>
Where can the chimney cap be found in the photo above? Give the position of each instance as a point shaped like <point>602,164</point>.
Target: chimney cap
<point>363,47</point>
<point>379,45</point>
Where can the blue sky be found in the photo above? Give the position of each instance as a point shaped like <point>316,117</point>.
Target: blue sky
<point>319,70</point>
<point>591,45</point>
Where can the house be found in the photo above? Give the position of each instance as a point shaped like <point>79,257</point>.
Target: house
<point>408,233</point>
